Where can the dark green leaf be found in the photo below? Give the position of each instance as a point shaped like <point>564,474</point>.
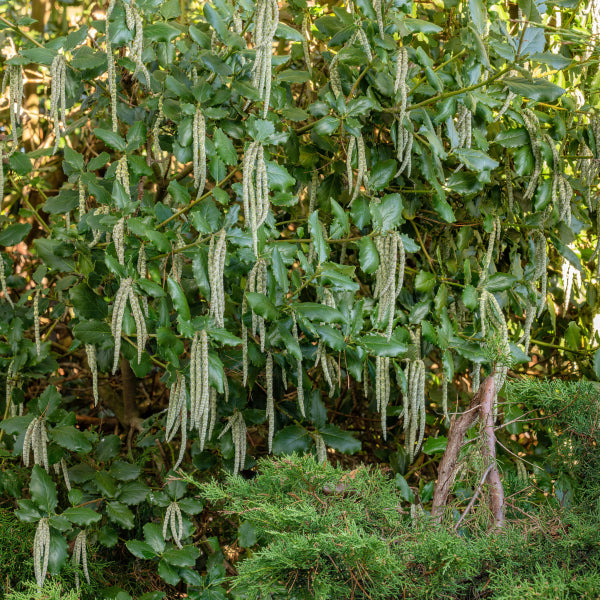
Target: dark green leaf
<point>340,440</point>
<point>43,489</point>
<point>262,306</point>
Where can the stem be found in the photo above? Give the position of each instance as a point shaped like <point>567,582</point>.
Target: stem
<point>203,197</point>
<point>20,32</point>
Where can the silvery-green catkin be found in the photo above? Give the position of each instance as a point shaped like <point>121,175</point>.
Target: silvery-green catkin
<point>266,19</point>
<point>255,190</point>
<point>199,151</point>
<point>216,270</point>
<point>13,76</point>
<point>81,190</point>
<point>58,101</point>
<point>3,283</point>
<point>533,127</point>
<point>111,71</point>
<point>270,400</point>
<point>378,6</point>
<point>36,322</point>
<point>136,49</point>
<point>80,556</point>
<point>90,350</point>
<point>41,551</point>
<point>306,25</point>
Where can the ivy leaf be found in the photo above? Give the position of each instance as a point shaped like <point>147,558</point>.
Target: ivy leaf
<point>43,489</point>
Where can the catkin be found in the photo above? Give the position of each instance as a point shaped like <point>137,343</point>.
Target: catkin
<point>510,96</point>
<point>562,192</point>
<point>321,448</point>
<point>90,350</point>
<point>3,278</point>
<point>142,269</point>
<point>36,322</point>
<point>119,239</point>
<point>238,435</point>
<point>216,270</point>
<point>382,389</point>
<point>464,127</point>
<point>174,521</point>
<point>414,407</point>
<point>270,400</point>
<point>122,174</point>
<point>36,441</point>
<point>266,19</point>
<point>136,50</point>
<point>111,71</point>
<point>177,416</point>
<point>14,77</point>
<point>533,126</point>
<point>306,25</point>
<point>335,82</point>
<point>256,282</point>
<point>378,6</point>
<point>299,370</point>
<point>255,190</point>
<point>200,386</point>
<point>568,273</point>
<point>41,551</point>
<point>199,151</point>
<point>80,556</point>
<point>124,293</point>
<point>361,171</point>
<point>390,276</point>
<point>58,101</point>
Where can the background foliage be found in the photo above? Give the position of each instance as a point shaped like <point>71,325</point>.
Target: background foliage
<point>364,206</point>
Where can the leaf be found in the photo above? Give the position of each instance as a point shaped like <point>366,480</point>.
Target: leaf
<point>225,148</point>
<point>154,537</point>
<point>538,89</point>
<point>316,230</point>
<point>82,515</point>
<point>331,337</point>
<point>140,549</point>
<point>470,297</point>
<point>387,214</point>
<point>368,256</point>
<point>292,438</point>
<point>405,492</point>
<point>133,492</point>
<point>161,32</point>
<point>96,333</point>
<point>478,15</point>
<point>246,535</point>
<point>119,513</point>
<point>178,298</point>
<point>87,303</point>
<point>513,138</point>
<point>499,282</point>
<point>319,312</point>
<point>182,557</point>
<point>70,438</point>
<point>280,270</point>
<point>14,234</point>
<point>476,160</point>
<point>20,163</point>
<point>597,364</point>
<point>382,173</point>
<point>425,281</point>
<point>112,139</point>
<point>43,489</point>
<point>340,440</point>
<point>262,306</point>
<point>124,471</point>
<point>435,445</point>
<point>378,345</point>
<point>65,201</point>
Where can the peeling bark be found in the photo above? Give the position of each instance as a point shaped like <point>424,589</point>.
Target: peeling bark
<point>481,406</point>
